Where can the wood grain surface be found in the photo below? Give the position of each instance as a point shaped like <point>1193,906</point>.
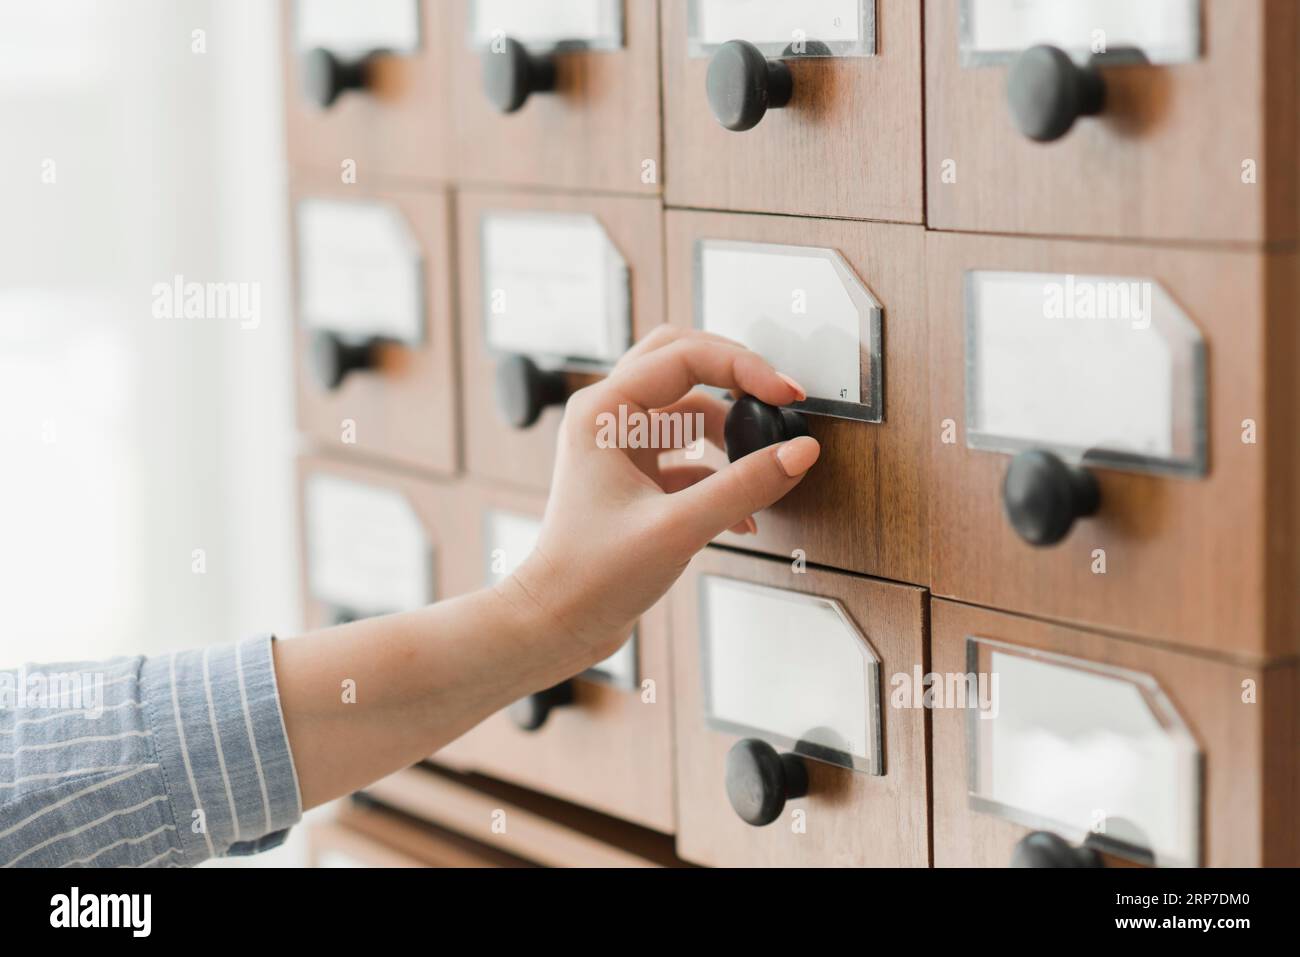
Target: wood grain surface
<point>848,145</point>
<point>852,819</point>
<point>399,129</point>
<point>595,133</point>
<point>1207,563</point>
<point>865,506</point>
<point>1164,161</point>
<point>405,410</point>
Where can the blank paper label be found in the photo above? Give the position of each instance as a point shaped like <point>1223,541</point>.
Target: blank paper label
<point>803,310</point>
<point>1068,745</point>
<point>360,270</point>
<point>845,27</point>
<point>548,24</point>
<point>554,286</point>
<point>789,668</point>
<point>1165,31</point>
<point>366,548</point>
<point>348,28</point>
<point>1097,368</point>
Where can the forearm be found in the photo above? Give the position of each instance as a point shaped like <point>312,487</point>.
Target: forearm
<point>366,699</point>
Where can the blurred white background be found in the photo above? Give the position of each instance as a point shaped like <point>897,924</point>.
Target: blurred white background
<point>126,441</point>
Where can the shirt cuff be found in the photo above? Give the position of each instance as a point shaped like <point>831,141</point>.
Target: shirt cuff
<point>221,743</point>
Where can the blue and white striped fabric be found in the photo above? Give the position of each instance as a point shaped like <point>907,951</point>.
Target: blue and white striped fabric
<point>144,762</point>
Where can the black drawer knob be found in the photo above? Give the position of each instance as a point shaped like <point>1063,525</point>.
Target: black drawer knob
<point>760,781</point>
<point>325,77</point>
<point>530,713</point>
<point>1043,496</point>
<point>524,391</point>
<point>743,85</point>
<point>332,360</point>
<point>1047,92</point>
<point>512,74</point>
<point>753,424</point>
<point>1044,849</point>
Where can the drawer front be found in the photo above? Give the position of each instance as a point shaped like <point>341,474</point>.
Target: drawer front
<point>1194,143</point>
<point>789,752</point>
<point>375,343</point>
<point>1097,453</point>
<point>562,94</point>
<point>839,306</point>
<point>603,739</point>
<point>373,542</point>
<point>553,290</point>
<point>352,111</point>
<point>848,142</point>
<point>1123,753</point>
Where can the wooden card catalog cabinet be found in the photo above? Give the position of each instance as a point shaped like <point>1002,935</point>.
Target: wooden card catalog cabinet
<point>371,542</point>
<point>1153,120</point>
<point>602,739</point>
<point>785,753</point>
<point>376,357</point>
<point>553,291</point>
<point>837,306</point>
<point>561,94</point>
<point>367,88</point>
<point>810,108</point>
<point>1055,747</point>
<point>1093,459</point>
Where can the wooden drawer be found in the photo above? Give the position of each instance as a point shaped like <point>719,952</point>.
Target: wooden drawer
<point>373,542</point>
<point>397,123</point>
<point>375,343</point>
<point>364,836</point>
<point>854,296</point>
<point>521,823</point>
<point>1146,755</point>
<point>1197,144</point>
<point>847,145</point>
<point>783,716</point>
<point>602,740</point>
<point>597,129</point>
<point>1168,374</point>
<point>560,283</point>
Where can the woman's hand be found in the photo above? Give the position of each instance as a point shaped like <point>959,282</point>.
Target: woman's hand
<point>620,527</point>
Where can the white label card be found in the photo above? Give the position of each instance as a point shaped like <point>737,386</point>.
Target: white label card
<point>1101,369</point>
<point>361,273</point>
<point>780,27</point>
<point>804,310</point>
<point>1081,749</point>
<point>367,552</point>
<point>1165,31</point>
<point>510,539</point>
<point>792,669</point>
<point>555,288</point>
<point>350,29</point>
<point>549,25</point>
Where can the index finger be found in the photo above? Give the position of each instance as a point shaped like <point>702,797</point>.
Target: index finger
<point>660,378</point>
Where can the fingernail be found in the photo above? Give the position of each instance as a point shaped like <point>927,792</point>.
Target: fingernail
<point>798,455</point>
<point>751,525</point>
<point>799,392</point>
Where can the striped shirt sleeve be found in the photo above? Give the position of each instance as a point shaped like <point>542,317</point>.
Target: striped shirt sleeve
<point>137,762</point>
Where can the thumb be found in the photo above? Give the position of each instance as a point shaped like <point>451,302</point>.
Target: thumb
<point>733,494</point>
